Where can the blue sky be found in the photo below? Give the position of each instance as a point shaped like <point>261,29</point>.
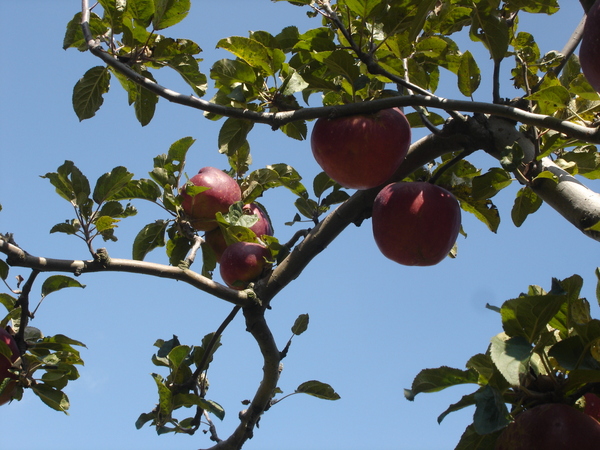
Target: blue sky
<point>373,324</point>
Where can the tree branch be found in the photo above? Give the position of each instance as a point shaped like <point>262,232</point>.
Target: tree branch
<point>278,119</point>
<point>18,257</point>
<point>257,326</point>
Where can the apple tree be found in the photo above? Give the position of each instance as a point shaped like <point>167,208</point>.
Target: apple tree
<point>353,87</point>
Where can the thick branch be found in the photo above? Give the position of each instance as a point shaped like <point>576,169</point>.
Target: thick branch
<point>570,198</point>
<point>18,257</point>
<point>257,326</point>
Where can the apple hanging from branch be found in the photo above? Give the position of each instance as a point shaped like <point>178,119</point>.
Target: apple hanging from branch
<point>416,223</point>
<point>219,193</point>
<point>551,426</point>
<point>363,151</point>
<point>244,262</point>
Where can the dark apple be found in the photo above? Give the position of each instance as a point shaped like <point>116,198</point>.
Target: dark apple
<point>415,224</point>
<point>222,193</point>
<point>592,405</point>
<point>364,151</point>
<point>216,240</point>
<point>552,426</point>
<point>5,364</point>
<point>589,53</point>
<point>242,263</point>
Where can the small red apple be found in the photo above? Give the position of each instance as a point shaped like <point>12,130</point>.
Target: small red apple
<point>5,364</point>
<point>263,225</point>
<point>415,224</point>
<point>551,426</point>
<point>222,193</point>
<point>364,151</point>
<point>589,53</point>
<point>592,405</point>
<point>242,263</point>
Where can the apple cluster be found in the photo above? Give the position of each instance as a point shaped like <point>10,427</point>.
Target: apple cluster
<point>414,223</point>
<point>212,191</point>
<point>6,363</point>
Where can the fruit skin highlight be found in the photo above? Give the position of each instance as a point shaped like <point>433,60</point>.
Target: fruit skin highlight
<point>5,364</point>
<point>552,426</point>
<point>363,151</point>
<point>415,224</point>
<point>242,263</point>
<point>201,208</point>
<point>589,52</point>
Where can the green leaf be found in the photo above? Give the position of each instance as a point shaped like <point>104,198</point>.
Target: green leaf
<point>150,237</point>
<point>113,13</point>
<point>318,389</point>
<point>54,398</point>
<point>511,356</point>
<point>527,202</point>
<point>490,183</point>
<point>300,325</point>
<point>8,301</point>
<point>3,269</point>
<point>88,92</point>
<point>296,130</point>
<point>491,413</point>
<point>145,101</point>
<point>466,400</point>
<point>227,72</point>
<point>143,189</point>
<point>551,99</point>
<point>528,316</point>
<point>57,282</point>
<point>342,63</point>
<point>70,184</point>
<point>74,34</point>
<point>169,12</point>
<point>472,440</point>
<point>111,183</point>
<point>484,210</point>
<point>165,396</point>
<point>188,69</point>
<point>433,380</point>
<point>489,27</point>
<point>233,135</point>
<point>469,75</point>
<point>362,8</point>
<point>254,53</point>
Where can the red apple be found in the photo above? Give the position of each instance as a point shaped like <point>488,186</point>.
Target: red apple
<point>592,405</point>
<point>263,225</point>
<point>216,240</point>
<point>5,364</point>
<point>222,193</point>
<point>415,224</point>
<point>361,152</point>
<point>589,53</point>
<point>242,263</point>
<point>551,426</point>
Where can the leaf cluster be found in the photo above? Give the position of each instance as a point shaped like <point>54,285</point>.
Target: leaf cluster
<point>48,362</point>
<point>184,387</point>
<point>547,353</point>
